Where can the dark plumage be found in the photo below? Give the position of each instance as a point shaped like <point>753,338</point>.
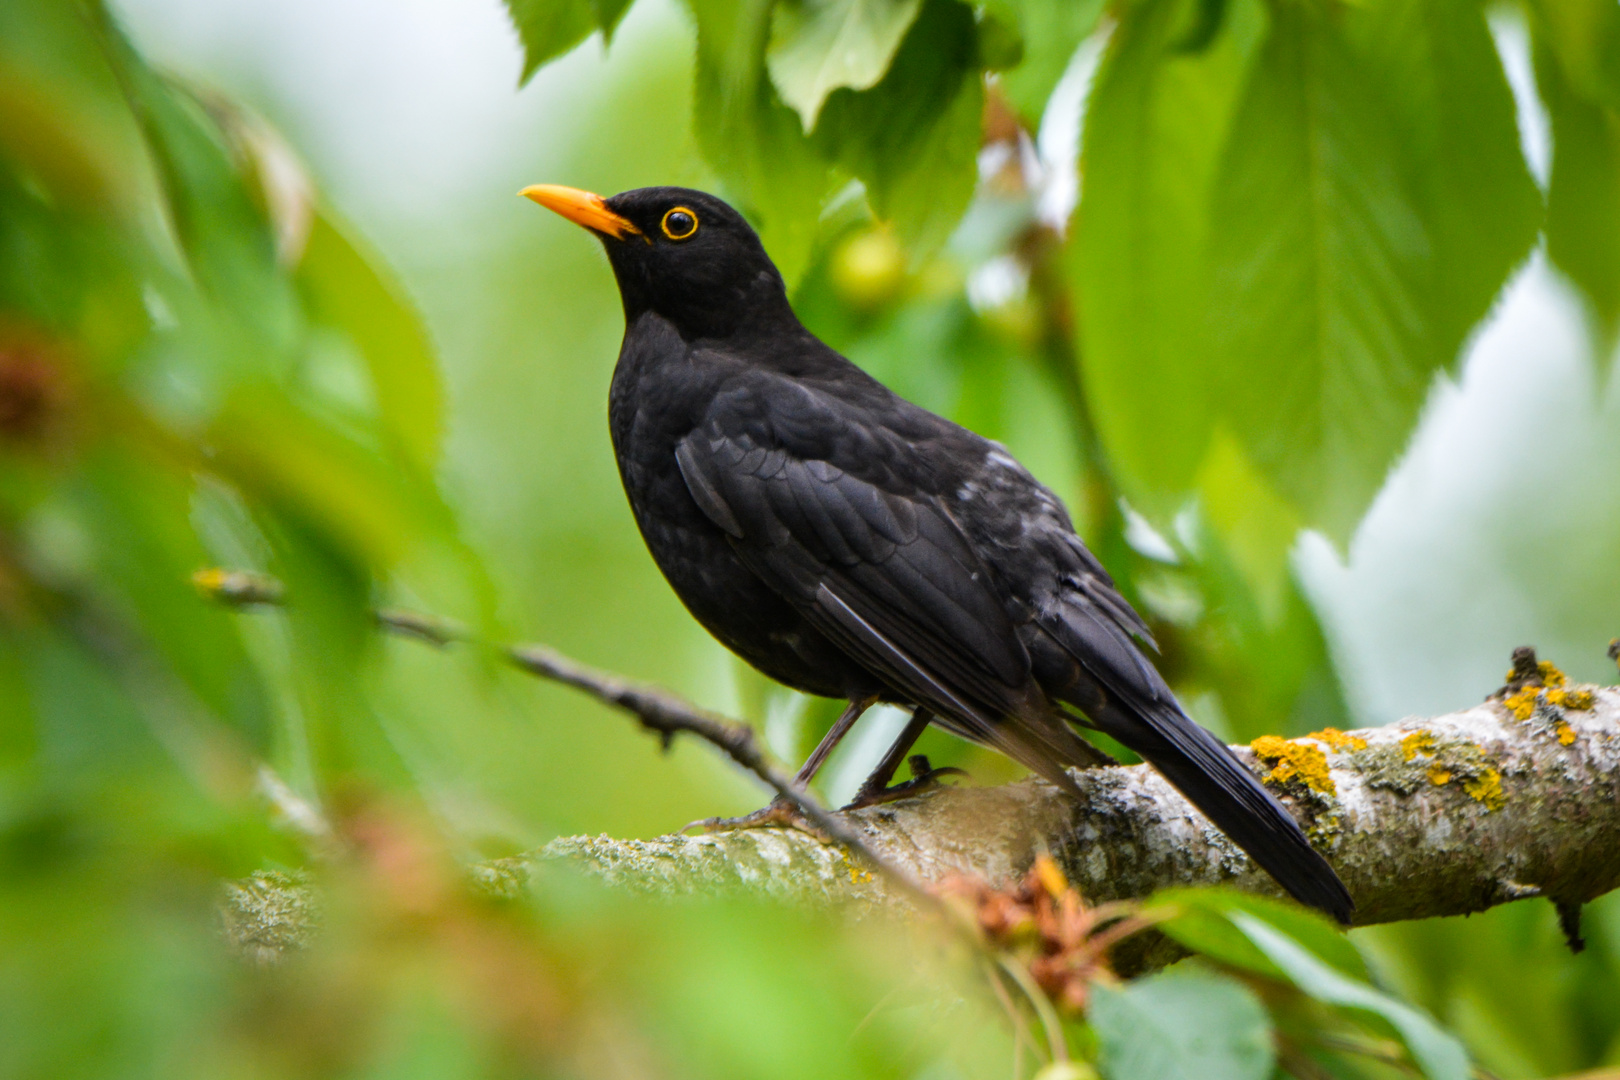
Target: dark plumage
<point>850,544</point>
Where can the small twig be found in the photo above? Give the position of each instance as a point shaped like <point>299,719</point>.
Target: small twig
<point>657,710</point>
<point>1050,1021</point>
<point>295,810</point>
<point>667,715</point>
<point>1020,1026</point>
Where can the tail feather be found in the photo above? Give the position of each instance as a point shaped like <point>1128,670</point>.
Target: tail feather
<point>1202,768</point>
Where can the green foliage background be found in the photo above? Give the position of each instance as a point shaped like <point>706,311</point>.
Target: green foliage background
<point>1294,215</point>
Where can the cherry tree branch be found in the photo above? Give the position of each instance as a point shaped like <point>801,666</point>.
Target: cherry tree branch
<point>1514,798</point>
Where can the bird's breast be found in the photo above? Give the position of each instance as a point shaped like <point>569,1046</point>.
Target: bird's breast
<point>654,404</point>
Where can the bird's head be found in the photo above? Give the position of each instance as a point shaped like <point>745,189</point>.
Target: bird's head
<point>680,253</point>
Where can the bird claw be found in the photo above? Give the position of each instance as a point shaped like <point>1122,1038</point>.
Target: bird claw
<point>778,813</point>
<point>924,778</point>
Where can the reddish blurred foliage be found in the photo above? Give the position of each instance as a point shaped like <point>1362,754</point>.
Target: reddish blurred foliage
<point>34,385</point>
<point>1045,924</point>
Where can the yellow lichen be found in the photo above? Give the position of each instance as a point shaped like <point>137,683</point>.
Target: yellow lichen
<point>1294,761</point>
<point>1566,734</point>
<point>1550,675</point>
<point>1338,740</point>
<point>1419,742</point>
<point>1439,775</point>
<point>1486,787</point>
<point>1522,703</point>
<point>1569,699</point>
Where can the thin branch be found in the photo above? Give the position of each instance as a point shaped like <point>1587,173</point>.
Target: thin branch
<point>655,709</point>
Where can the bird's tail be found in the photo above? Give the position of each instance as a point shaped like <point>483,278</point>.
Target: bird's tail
<point>1206,772</point>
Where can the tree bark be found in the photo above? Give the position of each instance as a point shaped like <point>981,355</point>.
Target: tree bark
<point>1508,800</point>
<point>1436,817</point>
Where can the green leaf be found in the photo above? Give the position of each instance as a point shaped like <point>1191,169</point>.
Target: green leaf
<point>1256,526</point>
<point>1154,129</point>
<point>1000,42</point>
<point>1182,1025</point>
<point>1439,1054</point>
<point>818,46</point>
<point>226,239</point>
<point>356,501</point>
<point>1578,73</point>
<point>608,14</point>
<point>1320,336</point>
<point>353,292</point>
<point>1204,924</point>
<point>752,139</point>
<point>1052,30</point>
<point>914,138</point>
<point>1584,37</point>
<point>137,509</point>
<point>1449,98</point>
<point>550,28</point>
<point>1266,657</point>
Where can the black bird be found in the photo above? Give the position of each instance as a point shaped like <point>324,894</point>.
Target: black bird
<point>851,544</point>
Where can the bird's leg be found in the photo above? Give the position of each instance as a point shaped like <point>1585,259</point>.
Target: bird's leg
<point>779,811</point>
<point>876,789</point>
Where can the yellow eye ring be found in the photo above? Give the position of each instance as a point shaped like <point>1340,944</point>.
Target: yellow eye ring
<point>680,224</point>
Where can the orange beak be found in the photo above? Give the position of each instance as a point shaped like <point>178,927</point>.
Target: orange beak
<point>582,208</point>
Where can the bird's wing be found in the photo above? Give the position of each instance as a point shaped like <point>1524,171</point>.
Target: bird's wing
<point>884,573</point>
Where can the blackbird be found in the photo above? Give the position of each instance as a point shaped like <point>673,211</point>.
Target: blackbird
<point>853,545</point>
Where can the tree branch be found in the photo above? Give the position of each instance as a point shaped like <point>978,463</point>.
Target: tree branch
<point>1437,817</point>
<point>1518,797</point>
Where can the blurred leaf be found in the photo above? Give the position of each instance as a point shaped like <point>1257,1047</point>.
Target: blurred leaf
<point>333,735</point>
<point>1439,1054</point>
<point>1182,1025</point>
<point>1000,43</point>
<point>1051,30</point>
<point>1584,37</point>
<point>62,155</point>
<point>1448,97</point>
<point>226,239</point>
<point>549,28</point>
<point>608,15</point>
<point>1204,924</point>
<point>1553,1016</point>
<point>281,457</point>
<point>914,138</point>
<point>1264,656</point>
<point>818,46</point>
<point>1257,527</point>
<point>127,493</point>
<point>63,270</point>
<point>751,138</point>
<point>1577,55</point>
<point>352,292</point>
<point>1155,125</point>
<point>1321,337</point>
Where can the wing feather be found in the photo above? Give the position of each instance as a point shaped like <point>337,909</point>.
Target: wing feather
<point>890,579</point>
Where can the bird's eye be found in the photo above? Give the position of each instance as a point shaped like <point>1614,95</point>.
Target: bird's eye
<point>680,223</point>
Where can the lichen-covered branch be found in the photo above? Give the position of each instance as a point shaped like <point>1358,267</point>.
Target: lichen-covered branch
<point>1517,797</point>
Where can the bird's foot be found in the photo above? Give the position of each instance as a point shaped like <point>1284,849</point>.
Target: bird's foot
<point>924,778</point>
<point>778,813</point>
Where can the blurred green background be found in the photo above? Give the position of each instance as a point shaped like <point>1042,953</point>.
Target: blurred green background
<point>268,301</point>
